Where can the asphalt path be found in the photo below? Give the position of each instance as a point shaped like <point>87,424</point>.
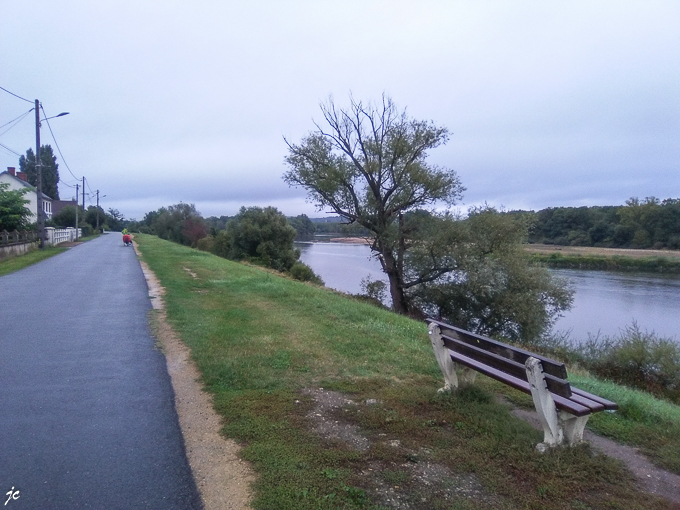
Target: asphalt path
<point>87,414</point>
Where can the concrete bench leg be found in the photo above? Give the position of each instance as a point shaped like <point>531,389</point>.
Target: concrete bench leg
<point>553,432</point>
<point>467,375</point>
<point>558,426</point>
<point>573,427</point>
<point>447,366</point>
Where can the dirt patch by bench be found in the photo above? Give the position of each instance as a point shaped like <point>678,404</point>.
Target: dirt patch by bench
<point>399,485</point>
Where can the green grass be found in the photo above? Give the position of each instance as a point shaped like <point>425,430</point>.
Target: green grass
<point>642,420</point>
<point>12,264</point>
<point>260,339</point>
<point>613,263</point>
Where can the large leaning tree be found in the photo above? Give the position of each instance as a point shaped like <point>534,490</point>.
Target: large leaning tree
<point>368,164</point>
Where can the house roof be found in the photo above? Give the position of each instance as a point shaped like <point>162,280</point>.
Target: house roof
<point>58,205</point>
<point>24,184</point>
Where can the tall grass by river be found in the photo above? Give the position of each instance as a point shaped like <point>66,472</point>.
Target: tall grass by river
<point>649,264</point>
<point>260,339</point>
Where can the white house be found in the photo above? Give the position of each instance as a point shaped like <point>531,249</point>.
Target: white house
<point>19,180</point>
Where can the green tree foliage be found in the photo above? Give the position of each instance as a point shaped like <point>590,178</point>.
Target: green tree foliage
<point>648,223</point>
<point>14,215</point>
<point>146,226</point>
<point>304,273</point>
<point>49,170</point>
<point>368,164</point>
<point>302,225</point>
<point>216,224</point>
<point>96,216</point>
<point>261,235</point>
<point>483,281</point>
<point>652,223</point>
<point>180,223</point>
<point>116,220</point>
<point>67,217</point>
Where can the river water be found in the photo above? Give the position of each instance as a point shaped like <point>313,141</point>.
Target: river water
<point>604,302</point>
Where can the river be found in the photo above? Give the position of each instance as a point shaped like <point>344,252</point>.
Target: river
<point>604,302</point>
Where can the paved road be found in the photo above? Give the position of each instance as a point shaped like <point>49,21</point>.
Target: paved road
<point>87,415</point>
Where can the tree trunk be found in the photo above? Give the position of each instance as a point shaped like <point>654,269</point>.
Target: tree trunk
<point>399,301</point>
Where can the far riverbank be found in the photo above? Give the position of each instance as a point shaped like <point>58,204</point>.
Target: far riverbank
<point>548,249</point>
<point>582,257</point>
<point>603,252</point>
<point>607,259</point>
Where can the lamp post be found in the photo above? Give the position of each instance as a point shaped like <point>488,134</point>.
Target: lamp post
<point>41,213</point>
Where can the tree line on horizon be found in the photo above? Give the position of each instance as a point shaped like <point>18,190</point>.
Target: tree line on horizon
<point>646,223</point>
<point>639,224</point>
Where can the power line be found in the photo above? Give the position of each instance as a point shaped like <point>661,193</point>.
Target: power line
<point>10,150</point>
<point>19,118</point>
<point>55,143</point>
<point>12,93</point>
<point>15,123</point>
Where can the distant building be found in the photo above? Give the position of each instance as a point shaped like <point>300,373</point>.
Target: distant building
<point>19,180</point>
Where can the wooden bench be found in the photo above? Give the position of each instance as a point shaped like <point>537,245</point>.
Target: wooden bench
<point>562,409</point>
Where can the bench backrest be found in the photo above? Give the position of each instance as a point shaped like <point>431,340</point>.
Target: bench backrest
<point>503,357</point>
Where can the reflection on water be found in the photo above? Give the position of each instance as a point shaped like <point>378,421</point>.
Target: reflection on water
<point>341,266</point>
<point>604,302</point>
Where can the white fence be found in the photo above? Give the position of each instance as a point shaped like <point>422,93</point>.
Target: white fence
<point>55,236</point>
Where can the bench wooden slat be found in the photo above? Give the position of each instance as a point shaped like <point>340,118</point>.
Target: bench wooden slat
<point>562,403</point>
<point>593,405</point>
<point>550,366</point>
<point>608,404</point>
<point>511,367</point>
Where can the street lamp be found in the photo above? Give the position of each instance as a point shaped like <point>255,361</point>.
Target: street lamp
<point>41,214</point>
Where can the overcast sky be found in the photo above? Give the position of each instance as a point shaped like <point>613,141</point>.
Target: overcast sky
<point>549,103</point>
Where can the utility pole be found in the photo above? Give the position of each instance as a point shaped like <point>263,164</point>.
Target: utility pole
<point>97,229</point>
<point>83,194</point>
<point>76,212</point>
<point>41,217</point>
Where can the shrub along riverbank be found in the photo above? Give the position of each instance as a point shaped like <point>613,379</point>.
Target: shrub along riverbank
<point>614,263</point>
<point>265,344</point>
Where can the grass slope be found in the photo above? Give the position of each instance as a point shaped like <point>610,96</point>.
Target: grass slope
<point>12,264</point>
<point>260,339</point>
